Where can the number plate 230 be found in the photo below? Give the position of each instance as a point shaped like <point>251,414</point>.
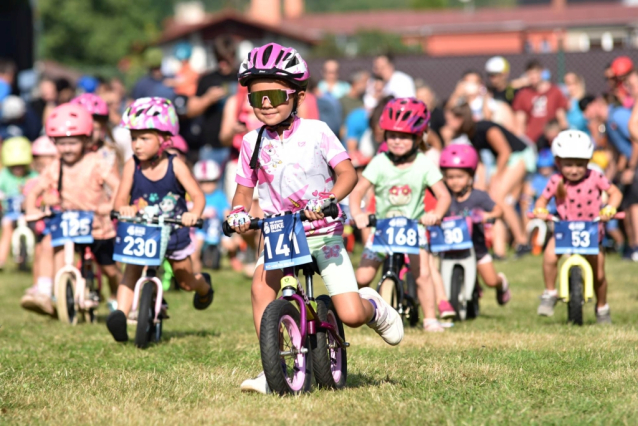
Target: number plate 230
<point>576,237</point>
<point>138,244</point>
<point>285,243</point>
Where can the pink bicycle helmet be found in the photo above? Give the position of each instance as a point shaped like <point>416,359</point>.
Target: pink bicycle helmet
<point>179,144</point>
<point>407,115</point>
<point>69,120</point>
<point>274,61</point>
<point>459,156</point>
<point>151,114</point>
<point>43,146</point>
<point>95,105</point>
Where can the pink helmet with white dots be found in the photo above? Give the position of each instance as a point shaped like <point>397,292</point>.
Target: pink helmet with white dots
<point>44,146</point>
<point>459,156</point>
<point>69,120</point>
<point>274,61</point>
<point>151,114</point>
<point>95,105</point>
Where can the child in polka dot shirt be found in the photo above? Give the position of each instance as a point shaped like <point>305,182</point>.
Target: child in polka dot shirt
<point>579,194</point>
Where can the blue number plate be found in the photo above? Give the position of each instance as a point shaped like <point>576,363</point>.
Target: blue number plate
<point>453,234</point>
<point>138,244</point>
<point>74,226</point>
<point>13,207</point>
<point>285,243</point>
<point>576,237</point>
<point>398,235</point>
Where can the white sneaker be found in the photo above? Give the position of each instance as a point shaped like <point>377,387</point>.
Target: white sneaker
<point>258,384</point>
<point>388,323</point>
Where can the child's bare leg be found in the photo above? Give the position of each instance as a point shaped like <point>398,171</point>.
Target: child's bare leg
<point>420,266</point>
<point>550,265</point>
<point>600,281</point>
<point>353,310</point>
<point>113,276</point>
<point>264,289</point>
<point>196,257</point>
<point>5,241</point>
<point>489,275</point>
<point>367,269</point>
<point>183,272</point>
<point>37,256</point>
<point>437,281</point>
<point>132,273</point>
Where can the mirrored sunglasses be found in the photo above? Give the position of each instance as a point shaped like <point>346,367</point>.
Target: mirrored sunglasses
<point>275,97</point>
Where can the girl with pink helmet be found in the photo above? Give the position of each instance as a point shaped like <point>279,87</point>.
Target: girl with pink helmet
<point>299,164</point>
<point>400,177</point>
<point>102,138</point>
<point>155,180</point>
<point>458,163</point>
<point>78,179</point>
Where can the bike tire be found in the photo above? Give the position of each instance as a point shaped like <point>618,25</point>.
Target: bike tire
<point>412,300</point>
<point>576,300</point>
<point>329,365</point>
<point>457,293</point>
<point>145,316</point>
<point>24,258</point>
<point>65,300</point>
<point>282,317</point>
<point>473,307</point>
<point>388,291</point>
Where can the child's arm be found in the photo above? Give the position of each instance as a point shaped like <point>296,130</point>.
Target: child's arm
<point>32,198</point>
<point>615,198</point>
<point>496,213</point>
<point>123,195</point>
<point>357,194</point>
<point>443,201</point>
<point>186,179</point>
<point>345,180</point>
<point>112,180</point>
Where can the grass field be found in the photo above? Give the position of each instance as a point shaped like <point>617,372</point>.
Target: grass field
<point>507,367</point>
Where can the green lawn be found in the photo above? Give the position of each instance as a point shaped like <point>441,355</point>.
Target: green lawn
<point>507,367</point>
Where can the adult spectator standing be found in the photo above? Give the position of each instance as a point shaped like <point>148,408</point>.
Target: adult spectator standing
<point>538,104</point>
<point>621,67</point>
<point>354,98</point>
<point>212,90</point>
<point>331,83</point>
<point>498,73</point>
<point>152,84</point>
<point>617,119</point>
<point>186,78</point>
<point>397,83</point>
<point>575,85</point>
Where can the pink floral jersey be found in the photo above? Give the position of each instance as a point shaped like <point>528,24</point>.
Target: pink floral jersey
<point>294,170</point>
<point>584,198</point>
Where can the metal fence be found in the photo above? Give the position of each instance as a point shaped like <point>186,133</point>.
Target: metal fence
<point>442,73</point>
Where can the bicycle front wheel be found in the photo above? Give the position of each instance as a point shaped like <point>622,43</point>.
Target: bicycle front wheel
<point>64,291</point>
<point>284,356</point>
<point>145,317</point>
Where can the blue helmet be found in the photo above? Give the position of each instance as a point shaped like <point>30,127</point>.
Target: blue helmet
<point>545,159</point>
<point>88,84</point>
<point>183,51</point>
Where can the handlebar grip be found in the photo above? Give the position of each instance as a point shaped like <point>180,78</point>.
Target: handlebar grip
<point>114,214</point>
<point>331,211</point>
<point>372,221</point>
<point>491,220</point>
<point>228,231</point>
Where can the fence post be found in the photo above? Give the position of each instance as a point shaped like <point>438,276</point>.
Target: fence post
<point>560,62</point>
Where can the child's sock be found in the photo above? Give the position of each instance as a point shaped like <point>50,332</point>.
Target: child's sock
<point>374,315</point>
<point>45,285</point>
<point>552,292</point>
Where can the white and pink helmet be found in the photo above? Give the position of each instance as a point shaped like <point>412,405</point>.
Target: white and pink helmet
<point>44,146</point>
<point>206,171</point>
<point>95,105</point>
<point>151,114</point>
<point>274,61</point>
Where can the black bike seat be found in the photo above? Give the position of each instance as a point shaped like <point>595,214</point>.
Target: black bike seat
<point>309,267</point>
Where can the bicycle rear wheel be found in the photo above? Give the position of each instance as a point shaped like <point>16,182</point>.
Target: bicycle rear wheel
<point>457,296</point>
<point>412,301</point>
<point>145,316</point>
<point>286,359</point>
<point>576,299</point>
<point>388,291</point>
<point>24,258</point>
<point>329,361</point>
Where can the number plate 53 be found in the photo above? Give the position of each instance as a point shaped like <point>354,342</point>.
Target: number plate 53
<point>576,237</point>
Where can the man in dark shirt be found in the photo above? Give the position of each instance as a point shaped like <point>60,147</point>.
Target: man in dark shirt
<point>213,89</point>
<point>152,84</point>
<point>498,72</point>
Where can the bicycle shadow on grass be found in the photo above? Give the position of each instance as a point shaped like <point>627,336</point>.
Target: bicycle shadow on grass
<point>179,334</point>
<point>356,380</point>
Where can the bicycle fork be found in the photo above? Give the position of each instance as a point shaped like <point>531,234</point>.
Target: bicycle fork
<point>309,322</point>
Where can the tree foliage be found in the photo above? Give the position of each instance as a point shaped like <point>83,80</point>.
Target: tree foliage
<point>363,43</point>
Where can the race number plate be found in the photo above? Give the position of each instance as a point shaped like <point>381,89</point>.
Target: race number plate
<point>453,234</point>
<point>576,237</point>
<point>13,207</point>
<point>397,235</point>
<point>285,242</point>
<point>72,225</point>
<point>138,244</point>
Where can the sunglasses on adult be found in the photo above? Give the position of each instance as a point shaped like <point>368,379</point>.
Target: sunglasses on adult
<point>275,97</point>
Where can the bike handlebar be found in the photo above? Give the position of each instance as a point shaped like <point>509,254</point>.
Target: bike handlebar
<point>155,220</point>
<point>372,221</point>
<point>331,211</point>
<point>551,217</point>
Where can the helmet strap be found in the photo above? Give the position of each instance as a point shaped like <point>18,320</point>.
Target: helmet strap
<point>400,159</point>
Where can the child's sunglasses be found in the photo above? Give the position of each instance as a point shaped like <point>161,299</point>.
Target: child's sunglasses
<point>275,97</point>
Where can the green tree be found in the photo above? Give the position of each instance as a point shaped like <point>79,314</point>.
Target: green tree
<point>363,43</point>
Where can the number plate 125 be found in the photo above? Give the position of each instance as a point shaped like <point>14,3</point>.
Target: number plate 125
<point>75,226</point>
<point>576,237</point>
<point>285,243</point>
<point>138,244</point>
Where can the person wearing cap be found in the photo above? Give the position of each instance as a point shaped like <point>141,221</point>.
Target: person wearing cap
<point>498,72</point>
<point>152,84</point>
<point>18,119</point>
<point>621,67</point>
<point>185,80</point>
<point>617,123</point>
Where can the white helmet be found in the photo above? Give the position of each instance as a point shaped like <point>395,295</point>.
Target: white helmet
<point>573,144</point>
<point>206,170</point>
